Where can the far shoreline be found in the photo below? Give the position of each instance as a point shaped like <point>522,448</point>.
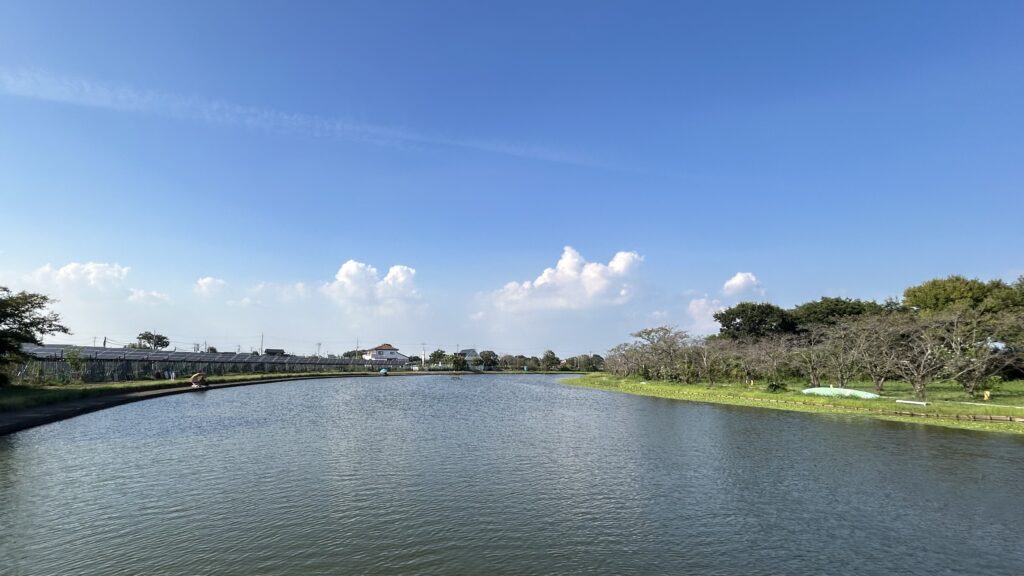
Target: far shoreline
<point>743,396</point>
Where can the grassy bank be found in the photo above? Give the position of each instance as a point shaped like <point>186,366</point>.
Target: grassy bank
<point>947,406</point>
<point>19,397</point>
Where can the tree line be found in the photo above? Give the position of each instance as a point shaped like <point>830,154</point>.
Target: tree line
<point>491,360</point>
<point>949,329</point>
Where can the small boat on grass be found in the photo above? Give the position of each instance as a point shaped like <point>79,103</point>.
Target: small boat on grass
<point>841,392</point>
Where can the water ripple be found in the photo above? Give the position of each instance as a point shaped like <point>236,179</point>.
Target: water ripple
<point>497,475</point>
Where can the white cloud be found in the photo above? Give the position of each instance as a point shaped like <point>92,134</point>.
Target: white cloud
<point>147,296</point>
<point>242,302</point>
<point>701,311</point>
<point>85,92</point>
<point>572,284</point>
<point>398,284</point>
<point>293,292</point>
<point>742,283</point>
<point>97,275</point>
<point>208,286</point>
<point>358,286</point>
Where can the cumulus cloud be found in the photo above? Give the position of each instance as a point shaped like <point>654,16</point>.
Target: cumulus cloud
<point>573,283</point>
<point>742,283</point>
<point>97,275</point>
<point>208,286</point>
<point>702,311</point>
<point>147,296</point>
<point>358,286</point>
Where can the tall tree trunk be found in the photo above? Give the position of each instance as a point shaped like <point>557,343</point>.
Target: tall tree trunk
<point>919,386</point>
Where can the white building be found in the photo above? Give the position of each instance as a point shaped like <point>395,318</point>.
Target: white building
<point>384,353</point>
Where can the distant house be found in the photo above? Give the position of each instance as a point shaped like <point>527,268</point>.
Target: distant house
<point>384,353</point>
<point>469,354</point>
<point>274,352</point>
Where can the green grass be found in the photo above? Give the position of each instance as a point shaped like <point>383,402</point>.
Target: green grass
<point>943,408</point>
<point>20,397</point>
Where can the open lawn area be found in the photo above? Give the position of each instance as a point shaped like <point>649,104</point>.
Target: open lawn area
<point>947,404</point>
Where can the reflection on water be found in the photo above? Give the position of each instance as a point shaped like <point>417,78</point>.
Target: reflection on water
<point>499,475</point>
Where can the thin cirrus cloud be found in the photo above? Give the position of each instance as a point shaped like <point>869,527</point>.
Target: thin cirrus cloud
<point>269,293</point>
<point>284,293</point>
<point>89,93</point>
<point>572,284</point>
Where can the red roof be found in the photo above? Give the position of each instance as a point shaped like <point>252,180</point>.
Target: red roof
<point>384,347</point>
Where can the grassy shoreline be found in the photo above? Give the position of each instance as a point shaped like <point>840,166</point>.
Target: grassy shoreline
<point>14,398</point>
<point>944,411</point>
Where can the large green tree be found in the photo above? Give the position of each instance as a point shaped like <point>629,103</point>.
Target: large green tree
<point>24,319</point>
<point>754,320</point>
<point>456,361</point>
<point>489,359</point>
<point>550,361</point>
<point>829,311</point>
<point>944,293</point>
<point>154,341</point>
<point>437,356</point>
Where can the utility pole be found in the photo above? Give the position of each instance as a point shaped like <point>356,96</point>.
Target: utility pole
<point>318,348</point>
<point>104,341</point>
<point>423,359</point>
<point>261,343</point>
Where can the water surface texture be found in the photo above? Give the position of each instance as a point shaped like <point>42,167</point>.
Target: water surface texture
<point>499,475</point>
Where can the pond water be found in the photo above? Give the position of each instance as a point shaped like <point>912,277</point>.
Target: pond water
<point>499,475</point>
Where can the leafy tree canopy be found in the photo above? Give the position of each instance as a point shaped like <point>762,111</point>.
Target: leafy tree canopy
<point>24,319</point>
<point>154,341</point>
<point>550,361</point>
<point>457,361</point>
<point>748,320</point>
<point>828,311</point>
<point>945,293</point>
<point>489,359</point>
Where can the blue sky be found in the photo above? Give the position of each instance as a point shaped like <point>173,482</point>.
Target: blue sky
<point>692,155</point>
